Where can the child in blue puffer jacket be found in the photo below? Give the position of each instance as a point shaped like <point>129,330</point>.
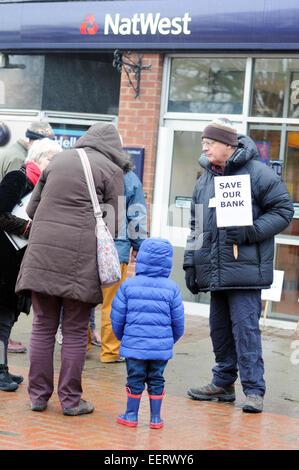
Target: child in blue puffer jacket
<point>148,318</point>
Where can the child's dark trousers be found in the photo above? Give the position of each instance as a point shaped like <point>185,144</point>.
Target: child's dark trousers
<point>141,372</point>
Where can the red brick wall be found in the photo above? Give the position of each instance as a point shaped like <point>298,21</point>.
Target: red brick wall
<point>138,118</point>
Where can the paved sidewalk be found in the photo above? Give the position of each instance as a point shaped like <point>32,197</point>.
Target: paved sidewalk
<point>188,424</point>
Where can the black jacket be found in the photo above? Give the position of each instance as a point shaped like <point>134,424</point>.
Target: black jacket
<point>207,249</point>
<point>13,187</point>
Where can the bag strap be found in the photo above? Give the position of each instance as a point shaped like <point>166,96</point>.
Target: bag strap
<point>90,183</point>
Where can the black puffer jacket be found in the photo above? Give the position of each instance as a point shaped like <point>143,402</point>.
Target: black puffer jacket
<point>207,249</point>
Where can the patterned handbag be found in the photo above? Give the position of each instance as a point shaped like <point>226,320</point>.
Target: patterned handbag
<point>107,256</point>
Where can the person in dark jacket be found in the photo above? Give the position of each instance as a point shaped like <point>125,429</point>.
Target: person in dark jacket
<point>60,264</point>
<point>235,282</point>
<point>148,317</point>
<point>14,186</point>
<point>128,243</point>
<point>12,158</point>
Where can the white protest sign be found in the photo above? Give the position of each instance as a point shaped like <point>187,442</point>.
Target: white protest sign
<point>233,200</point>
<point>274,293</point>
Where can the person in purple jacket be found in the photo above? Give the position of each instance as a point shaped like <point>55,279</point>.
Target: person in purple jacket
<point>148,318</point>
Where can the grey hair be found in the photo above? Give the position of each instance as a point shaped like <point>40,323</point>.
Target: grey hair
<point>41,148</point>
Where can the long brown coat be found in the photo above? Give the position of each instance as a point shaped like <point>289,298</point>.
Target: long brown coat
<point>60,258</point>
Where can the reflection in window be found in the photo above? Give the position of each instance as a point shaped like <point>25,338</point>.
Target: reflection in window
<point>294,96</point>
<point>207,85</point>
<point>291,167</point>
<point>275,88</point>
<point>267,141</point>
<point>287,260</point>
<point>184,174</point>
<point>22,88</point>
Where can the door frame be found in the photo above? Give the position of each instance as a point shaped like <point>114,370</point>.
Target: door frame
<point>159,226</point>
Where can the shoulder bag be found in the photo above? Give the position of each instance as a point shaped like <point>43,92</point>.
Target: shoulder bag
<point>107,256</point>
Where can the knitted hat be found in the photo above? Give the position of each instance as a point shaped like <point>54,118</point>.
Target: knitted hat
<point>39,130</point>
<point>221,130</point>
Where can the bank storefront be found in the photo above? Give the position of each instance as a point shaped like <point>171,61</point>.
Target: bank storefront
<point>237,61</point>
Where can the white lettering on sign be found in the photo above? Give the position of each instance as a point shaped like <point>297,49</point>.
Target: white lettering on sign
<point>233,200</point>
<point>2,92</point>
<point>66,142</point>
<point>147,24</point>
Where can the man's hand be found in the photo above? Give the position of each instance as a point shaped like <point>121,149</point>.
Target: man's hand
<point>190,278</point>
<point>236,235</point>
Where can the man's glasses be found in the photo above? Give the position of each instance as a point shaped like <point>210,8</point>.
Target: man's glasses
<point>208,143</point>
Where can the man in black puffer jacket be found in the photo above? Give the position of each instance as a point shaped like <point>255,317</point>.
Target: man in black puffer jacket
<point>235,283</point>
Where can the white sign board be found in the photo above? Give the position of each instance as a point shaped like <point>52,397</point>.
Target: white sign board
<point>20,211</point>
<point>274,293</point>
<point>233,200</point>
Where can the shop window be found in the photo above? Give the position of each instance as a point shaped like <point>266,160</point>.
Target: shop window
<point>293,111</point>
<point>291,166</point>
<point>86,83</point>
<point>275,91</point>
<point>269,140</point>
<point>21,85</point>
<point>287,260</point>
<point>207,85</point>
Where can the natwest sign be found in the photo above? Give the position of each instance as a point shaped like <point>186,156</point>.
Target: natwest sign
<point>164,25</point>
<point>139,24</point>
<point>147,24</point>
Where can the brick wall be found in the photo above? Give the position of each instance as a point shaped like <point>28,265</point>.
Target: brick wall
<point>138,118</point>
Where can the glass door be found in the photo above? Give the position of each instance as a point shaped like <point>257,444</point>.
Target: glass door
<point>177,171</point>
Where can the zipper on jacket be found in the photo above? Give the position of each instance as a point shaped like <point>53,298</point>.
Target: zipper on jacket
<point>259,261</point>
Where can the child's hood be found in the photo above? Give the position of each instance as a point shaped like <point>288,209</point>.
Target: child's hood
<point>154,258</point>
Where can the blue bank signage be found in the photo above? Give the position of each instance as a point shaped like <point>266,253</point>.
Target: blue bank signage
<point>150,25</point>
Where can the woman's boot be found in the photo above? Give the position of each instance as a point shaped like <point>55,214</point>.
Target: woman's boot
<point>155,404</point>
<point>6,382</point>
<point>130,418</point>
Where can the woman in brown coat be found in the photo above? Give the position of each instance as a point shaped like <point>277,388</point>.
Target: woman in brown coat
<point>60,264</point>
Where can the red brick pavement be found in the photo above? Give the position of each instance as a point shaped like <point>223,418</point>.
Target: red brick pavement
<point>188,424</point>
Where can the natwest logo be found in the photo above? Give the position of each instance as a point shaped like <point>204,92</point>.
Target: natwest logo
<point>147,24</point>
<point>139,24</point>
<point>89,21</point>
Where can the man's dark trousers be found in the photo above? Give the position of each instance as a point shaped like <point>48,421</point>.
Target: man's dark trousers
<point>236,338</point>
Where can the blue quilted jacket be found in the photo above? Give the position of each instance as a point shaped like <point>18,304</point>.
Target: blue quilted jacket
<point>147,312</point>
